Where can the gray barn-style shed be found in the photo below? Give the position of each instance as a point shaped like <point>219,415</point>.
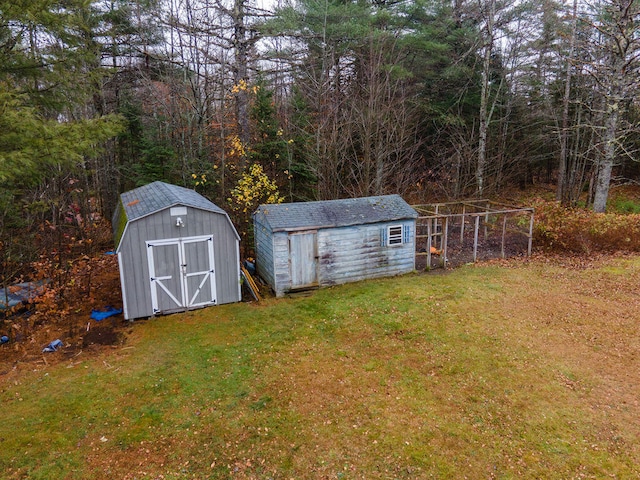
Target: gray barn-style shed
<point>313,244</point>
<point>176,251</point>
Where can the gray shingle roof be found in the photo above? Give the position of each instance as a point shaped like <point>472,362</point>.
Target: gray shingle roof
<point>334,213</point>
<point>156,196</point>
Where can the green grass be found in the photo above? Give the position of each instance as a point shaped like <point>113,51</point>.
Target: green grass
<point>626,206</point>
<point>529,371</point>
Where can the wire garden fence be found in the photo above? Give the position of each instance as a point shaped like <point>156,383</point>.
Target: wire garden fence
<point>454,233</point>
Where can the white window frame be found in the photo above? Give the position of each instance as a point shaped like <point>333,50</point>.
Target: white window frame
<point>396,238</point>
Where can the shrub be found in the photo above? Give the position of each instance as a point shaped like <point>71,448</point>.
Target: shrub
<point>578,230</point>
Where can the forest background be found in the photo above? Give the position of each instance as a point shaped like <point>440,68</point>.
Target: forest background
<point>303,100</point>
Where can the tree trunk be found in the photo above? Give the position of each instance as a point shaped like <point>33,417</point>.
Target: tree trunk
<point>241,78</point>
<point>620,81</point>
<point>606,164</point>
<point>484,101</point>
<point>562,189</point>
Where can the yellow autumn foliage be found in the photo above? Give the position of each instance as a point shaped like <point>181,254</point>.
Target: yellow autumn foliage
<point>236,147</point>
<point>199,179</point>
<point>243,86</point>
<point>254,188</point>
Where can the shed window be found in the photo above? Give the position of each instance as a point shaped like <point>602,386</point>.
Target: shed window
<point>395,235</point>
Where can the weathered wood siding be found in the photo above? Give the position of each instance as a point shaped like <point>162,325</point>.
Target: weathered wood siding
<point>303,259</point>
<point>350,254</point>
<point>272,258</point>
<point>134,268</point>
<point>263,239</point>
<point>281,268</point>
<point>345,254</point>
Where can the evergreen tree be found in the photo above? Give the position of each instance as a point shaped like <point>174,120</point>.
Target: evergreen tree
<point>268,146</point>
<point>47,76</point>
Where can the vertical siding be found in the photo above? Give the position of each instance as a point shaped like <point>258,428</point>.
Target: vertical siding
<point>135,269</point>
<point>272,257</point>
<point>281,266</point>
<point>263,238</point>
<point>225,251</point>
<point>160,226</point>
<point>303,259</point>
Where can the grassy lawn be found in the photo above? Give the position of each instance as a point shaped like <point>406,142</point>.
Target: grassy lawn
<point>514,370</point>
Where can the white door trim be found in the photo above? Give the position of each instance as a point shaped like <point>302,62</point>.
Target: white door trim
<point>186,300</point>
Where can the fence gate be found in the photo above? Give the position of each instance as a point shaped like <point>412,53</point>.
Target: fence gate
<point>181,273</point>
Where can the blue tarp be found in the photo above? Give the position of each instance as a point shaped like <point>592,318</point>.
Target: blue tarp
<point>53,346</point>
<point>107,312</point>
<point>16,294</point>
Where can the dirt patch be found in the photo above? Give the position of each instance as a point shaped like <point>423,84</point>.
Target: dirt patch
<point>460,250</point>
<point>66,318</point>
<point>102,335</point>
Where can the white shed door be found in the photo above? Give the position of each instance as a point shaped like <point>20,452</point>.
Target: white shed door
<point>303,256</point>
<point>181,273</point>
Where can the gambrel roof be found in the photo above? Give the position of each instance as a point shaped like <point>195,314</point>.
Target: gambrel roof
<point>334,213</point>
<point>156,196</point>
<point>148,199</point>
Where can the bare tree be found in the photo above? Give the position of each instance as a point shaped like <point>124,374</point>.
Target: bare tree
<point>382,122</point>
<point>561,189</point>
<point>489,13</point>
<point>616,71</point>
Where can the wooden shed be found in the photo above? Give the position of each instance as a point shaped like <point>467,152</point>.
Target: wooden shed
<point>176,251</point>
<point>314,244</point>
